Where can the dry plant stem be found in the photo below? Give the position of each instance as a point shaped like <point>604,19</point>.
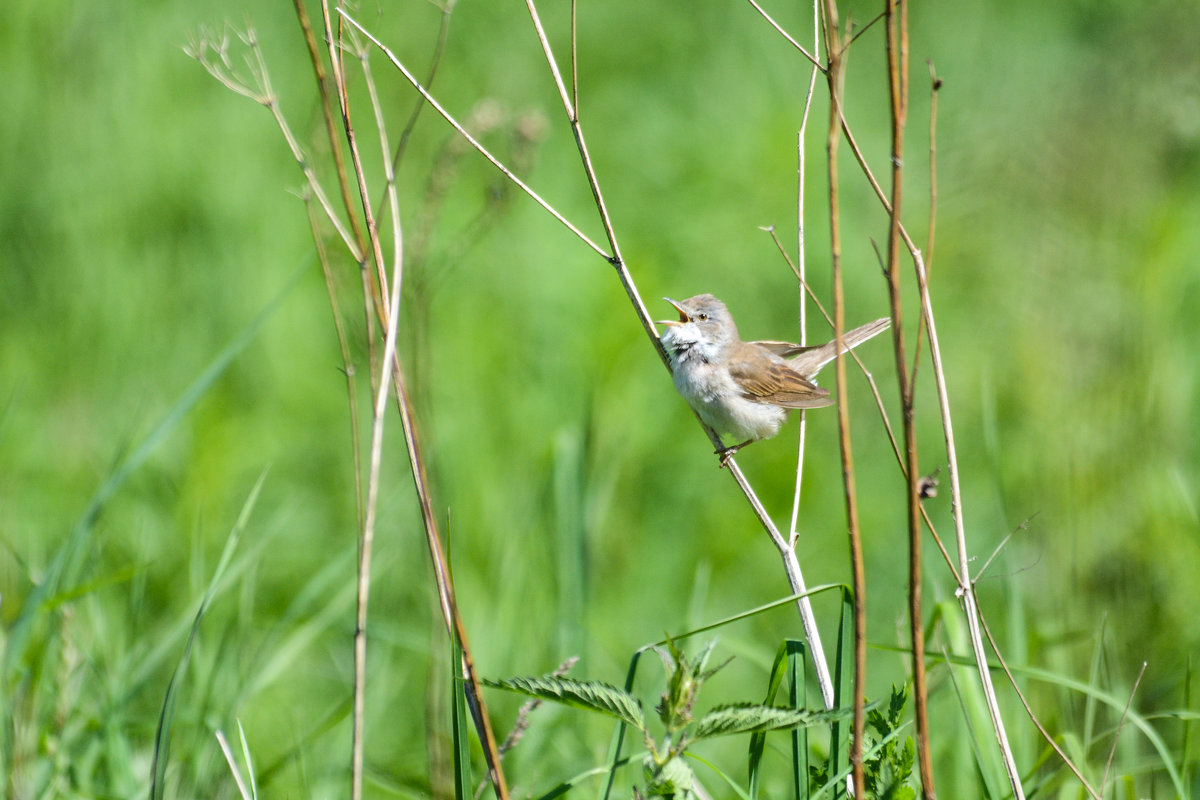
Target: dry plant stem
<point>363,191</point>
<point>572,109</point>
<point>1012,679</point>
<point>919,265</point>
<point>445,586</point>
<point>265,95</point>
<point>454,623</point>
<point>801,262</point>
<point>337,61</point>
<point>339,161</point>
<point>835,75</point>
<point>347,362</point>
<point>443,32</point>
<point>897,62</point>
<point>574,56</point>
<point>471,139</point>
<point>369,288</point>
<point>368,537</point>
<point>810,56</point>
<point>389,318</point>
<point>243,790</point>
<point>1112,753</point>
<point>935,84</point>
<point>965,589</point>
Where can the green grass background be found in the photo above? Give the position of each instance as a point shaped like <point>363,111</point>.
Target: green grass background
<point>147,216</point>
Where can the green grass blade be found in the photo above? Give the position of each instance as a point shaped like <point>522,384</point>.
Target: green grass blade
<point>758,740</point>
<point>461,732</point>
<point>843,675</point>
<point>738,790</point>
<point>570,783</point>
<point>166,718</point>
<point>1089,709</point>
<point>248,761</point>
<point>615,759</point>
<point>798,696</point>
<point>1184,765</point>
<point>989,779</point>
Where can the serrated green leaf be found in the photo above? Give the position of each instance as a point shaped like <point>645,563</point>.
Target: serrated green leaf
<point>674,778</point>
<point>749,718</point>
<point>896,704</point>
<point>590,695</point>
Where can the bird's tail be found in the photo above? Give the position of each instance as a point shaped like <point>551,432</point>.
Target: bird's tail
<point>809,360</point>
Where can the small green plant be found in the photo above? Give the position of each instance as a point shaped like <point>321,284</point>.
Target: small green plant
<point>888,762</point>
<point>665,771</point>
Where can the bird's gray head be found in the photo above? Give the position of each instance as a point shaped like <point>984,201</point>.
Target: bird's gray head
<point>704,330</point>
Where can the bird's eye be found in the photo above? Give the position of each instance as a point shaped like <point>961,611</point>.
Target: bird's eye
<point>702,317</point>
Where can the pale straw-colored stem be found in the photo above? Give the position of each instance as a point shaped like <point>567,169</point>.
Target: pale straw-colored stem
<point>471,139</point>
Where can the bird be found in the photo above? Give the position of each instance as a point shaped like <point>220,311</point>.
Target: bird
<point>745,389</point>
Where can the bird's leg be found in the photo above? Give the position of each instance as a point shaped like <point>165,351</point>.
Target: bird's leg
<point>727,453</point>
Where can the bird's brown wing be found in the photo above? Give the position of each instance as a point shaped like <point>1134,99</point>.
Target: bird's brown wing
<point>781,349</point>
<point>768,380</point>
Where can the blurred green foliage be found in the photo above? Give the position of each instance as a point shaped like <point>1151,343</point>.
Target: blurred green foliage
<point>147,215</point>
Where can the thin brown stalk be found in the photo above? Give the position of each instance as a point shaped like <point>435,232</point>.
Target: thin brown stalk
<point>420,476</point>
<point>335,146</point>
<point>574,57</point>
<point>445,585</point>
<point>367,541</point>
<point>572,110</point>
<point>434,63</point>
<point>388,316</point>
<point>935,84</point>
<point>897,64</point>
<point>1012,679</point>
<point>348,368</point>
<point>364,191</point>
<point>263,93</point>
<point>792,569</point>
<point>1121,724</point>
<point>791,40</point>
<point>833,49</point>
<point>965,585</point>
<point>339,161</point>
<point>471,139</point>
<point>387,312</point>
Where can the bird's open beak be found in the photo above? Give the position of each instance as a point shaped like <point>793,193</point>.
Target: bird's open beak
<point>683,316</point>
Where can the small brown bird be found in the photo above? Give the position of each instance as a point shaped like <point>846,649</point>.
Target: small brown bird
<point>745,389</point>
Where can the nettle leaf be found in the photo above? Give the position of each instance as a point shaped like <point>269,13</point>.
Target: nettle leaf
<point>590,695</point>
<point>748,718</point>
